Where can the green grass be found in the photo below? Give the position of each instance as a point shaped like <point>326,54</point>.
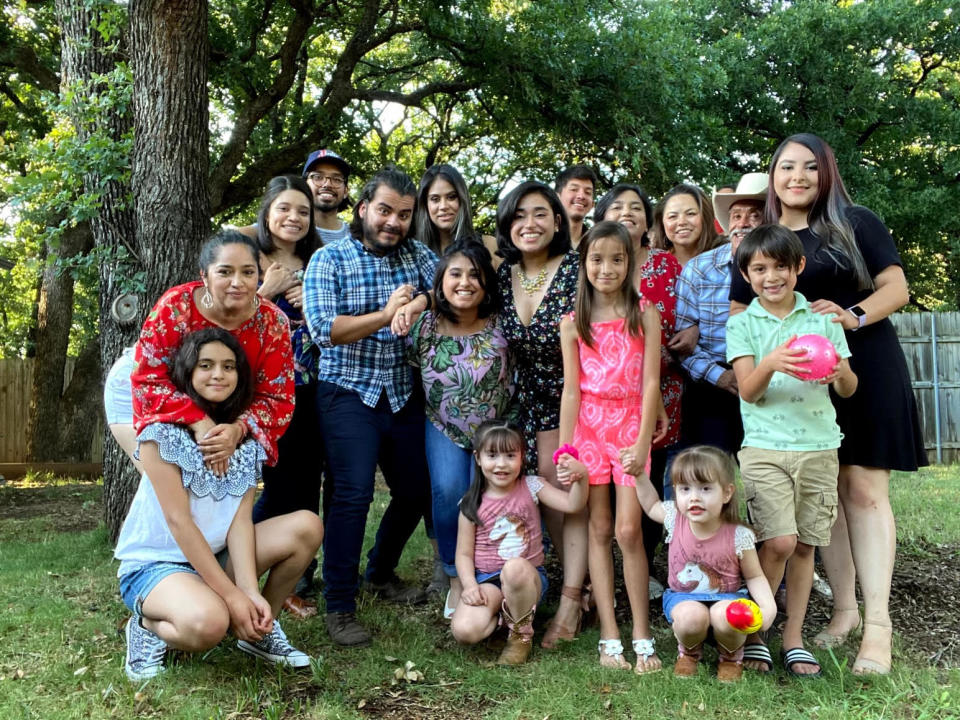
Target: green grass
<point>61,656</point>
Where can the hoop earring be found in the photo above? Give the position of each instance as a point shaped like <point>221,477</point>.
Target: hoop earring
<point>206,301</point>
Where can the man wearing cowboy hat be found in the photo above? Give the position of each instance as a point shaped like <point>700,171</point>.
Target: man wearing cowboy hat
<point>711,410</point>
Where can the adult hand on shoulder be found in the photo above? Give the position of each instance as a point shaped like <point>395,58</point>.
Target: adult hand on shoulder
<point>841,315</point>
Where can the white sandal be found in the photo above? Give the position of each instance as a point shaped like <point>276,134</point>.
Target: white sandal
<point>645,649</point>
<point>613,649</point>
<point>447,610</point>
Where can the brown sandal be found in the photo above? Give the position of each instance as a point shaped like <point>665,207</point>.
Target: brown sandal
<point>299,608</point>
<point>557,632</point>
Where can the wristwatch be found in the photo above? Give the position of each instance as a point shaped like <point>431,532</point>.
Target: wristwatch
<point>860,314</point>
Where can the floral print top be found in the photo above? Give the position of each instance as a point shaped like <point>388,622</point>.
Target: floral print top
<point>658,279</point>
<point>266,339</point>
<point>536,349</point>
<point>466,379</point>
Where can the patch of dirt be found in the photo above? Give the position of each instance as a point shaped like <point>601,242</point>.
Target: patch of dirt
<point>400,705</point>
<point>74,507</point>
<point>924,602</point>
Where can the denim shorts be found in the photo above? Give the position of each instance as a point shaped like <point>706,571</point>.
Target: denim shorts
<point>671,598</point>
<point>137,584</point>
<point>494,579</point>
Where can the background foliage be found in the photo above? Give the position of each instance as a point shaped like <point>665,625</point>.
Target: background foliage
<point>648,90</point>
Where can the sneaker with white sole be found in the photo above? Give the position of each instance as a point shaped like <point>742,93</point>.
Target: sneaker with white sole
<point>274,647</point>
<point>145,651</point>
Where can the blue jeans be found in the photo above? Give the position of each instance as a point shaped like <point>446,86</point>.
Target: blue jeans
<point>451,470</point>
<point>357,438</point>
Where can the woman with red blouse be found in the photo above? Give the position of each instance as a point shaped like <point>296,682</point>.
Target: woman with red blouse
<point>226,297</point>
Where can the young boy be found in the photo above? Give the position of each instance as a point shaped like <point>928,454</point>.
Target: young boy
<point>789,457</point>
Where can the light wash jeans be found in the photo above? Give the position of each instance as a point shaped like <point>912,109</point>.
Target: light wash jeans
<point>451,470</point>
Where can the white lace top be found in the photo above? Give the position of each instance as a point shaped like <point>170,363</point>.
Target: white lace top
<point>146,538</point>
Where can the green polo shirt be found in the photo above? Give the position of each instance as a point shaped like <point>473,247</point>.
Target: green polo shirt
<point>791,414</point>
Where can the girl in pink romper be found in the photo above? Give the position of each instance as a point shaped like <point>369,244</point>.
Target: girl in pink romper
<point>611,391</point>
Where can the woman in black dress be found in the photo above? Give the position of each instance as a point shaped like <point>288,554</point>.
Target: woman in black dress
<point>854,272</point>
<point>538,282</point>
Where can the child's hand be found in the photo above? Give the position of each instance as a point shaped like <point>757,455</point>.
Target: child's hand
<point>264,622</point>
<point>789,361</point>
<point>245,617</point>
<point>632,463</point>
<point>570,470</point>
<point>833,376</point>
<point>473,596</point>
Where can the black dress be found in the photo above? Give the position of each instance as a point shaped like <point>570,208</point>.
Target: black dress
<point>880,422</point>
<point>536,350</point>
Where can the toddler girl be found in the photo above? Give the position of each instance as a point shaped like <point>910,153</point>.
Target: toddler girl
<point>499,543</point>
<point>711,557</point>
<point>611,393</point>
<point>190,554</point>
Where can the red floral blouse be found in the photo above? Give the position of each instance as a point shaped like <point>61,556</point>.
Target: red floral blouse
<point>266,340</point>
<point>658,277</point>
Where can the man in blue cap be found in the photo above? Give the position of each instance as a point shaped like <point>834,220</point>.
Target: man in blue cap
<point>328,174</point>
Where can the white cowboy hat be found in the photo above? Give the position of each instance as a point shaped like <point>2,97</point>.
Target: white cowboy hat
<point>752,186</point>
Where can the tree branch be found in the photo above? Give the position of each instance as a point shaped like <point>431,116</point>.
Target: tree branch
<point>417,96</point>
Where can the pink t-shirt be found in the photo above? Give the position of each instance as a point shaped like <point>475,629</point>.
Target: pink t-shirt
<point>510,527</point>
<point>704,566</point>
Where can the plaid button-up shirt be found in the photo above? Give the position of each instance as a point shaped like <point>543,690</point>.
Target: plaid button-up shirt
<point>703,299</point>
<point>344,278</point>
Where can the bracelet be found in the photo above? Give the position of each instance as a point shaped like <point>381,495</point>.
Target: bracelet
<point>565,449</point>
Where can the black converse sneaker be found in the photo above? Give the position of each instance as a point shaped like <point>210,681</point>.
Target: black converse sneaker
<point>274,647</point>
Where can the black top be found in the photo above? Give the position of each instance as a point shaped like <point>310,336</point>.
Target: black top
<point>880,423</point>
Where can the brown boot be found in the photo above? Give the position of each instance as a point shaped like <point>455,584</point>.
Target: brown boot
<point>687,659</point>
<point>520,637</point>
<point>730,664</point>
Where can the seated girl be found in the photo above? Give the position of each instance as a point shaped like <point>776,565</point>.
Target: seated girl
<point>191,557</point>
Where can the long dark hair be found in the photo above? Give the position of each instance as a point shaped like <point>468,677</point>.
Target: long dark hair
<point>827,215</point>
<point>306,245</point>
<point>606,230</point>
<point>426,231</point>
<point>604,203</point>
<point>501,436</point>
<point>708,240</point>
<point>507,209</point>
<point>186,360</point>
<point>479,257</point>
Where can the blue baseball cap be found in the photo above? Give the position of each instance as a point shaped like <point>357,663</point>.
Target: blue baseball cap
<point>327,156</point>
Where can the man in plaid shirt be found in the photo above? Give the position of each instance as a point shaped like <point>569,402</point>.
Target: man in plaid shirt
<point>711,404</point>
<point>368,410</point>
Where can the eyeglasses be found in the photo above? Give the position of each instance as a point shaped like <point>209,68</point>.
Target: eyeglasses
<point>319,178</point>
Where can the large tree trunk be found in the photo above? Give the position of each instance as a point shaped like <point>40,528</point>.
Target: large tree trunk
<point>54,318</point>
<point>84,55</point>
<point>169,53</point>
<point>82,406</point>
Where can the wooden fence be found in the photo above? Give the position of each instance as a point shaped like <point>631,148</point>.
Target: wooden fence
<point>16,377</point>
<point>930,341</point>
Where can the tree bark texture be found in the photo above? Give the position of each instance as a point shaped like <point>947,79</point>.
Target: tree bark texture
<point>54,318</point>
